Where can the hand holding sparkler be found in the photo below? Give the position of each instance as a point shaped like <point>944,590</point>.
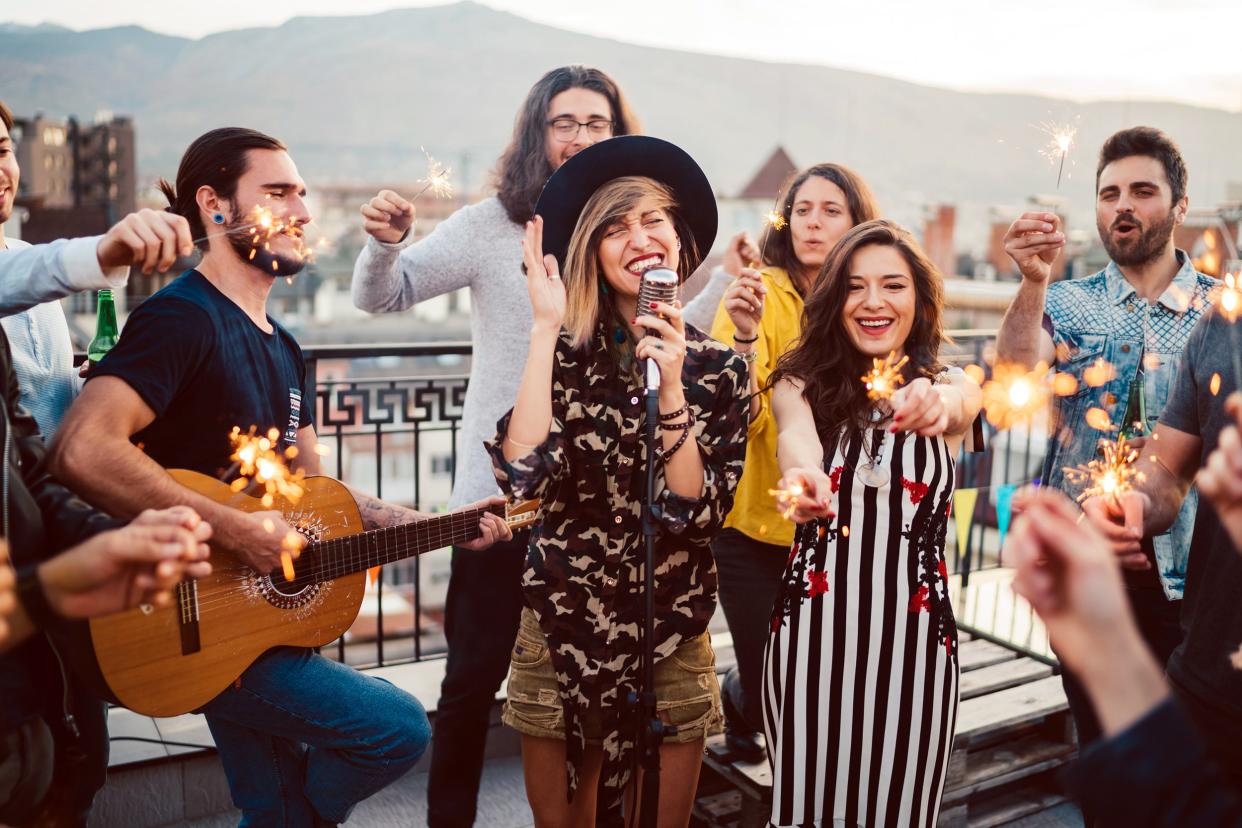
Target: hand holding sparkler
<point>388,217</point>
<point>919,407</point>
<point>804,494</point>
<point>269,540</point>
<point>148,239</point>
<point>1034,242</point>
<point>743,301</point>
<point>1111,502</point>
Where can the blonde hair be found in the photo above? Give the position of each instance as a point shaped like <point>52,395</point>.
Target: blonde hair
<point>588,302</point>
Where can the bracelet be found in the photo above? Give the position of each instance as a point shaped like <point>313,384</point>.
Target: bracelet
<point>750,357</point>
<point>684,408</point>
<point>668,454</point>
<point>753,339</point>
<point>526,446</point>
<point>682,426</point>
<point>33,599</point>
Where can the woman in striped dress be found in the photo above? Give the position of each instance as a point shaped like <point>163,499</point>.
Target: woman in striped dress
<point>861,675</point>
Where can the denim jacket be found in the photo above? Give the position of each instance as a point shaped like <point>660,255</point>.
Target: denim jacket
<point>1102,317</point>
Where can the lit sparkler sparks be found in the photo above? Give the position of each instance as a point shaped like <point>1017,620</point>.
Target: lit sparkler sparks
<point>1015,395</point>
<point>259,463</point>
<point>885,377</point>
<point>437,180</point>
<point>1060,139</point>
<point>787,499</point>
<point>1112,476</point>
<point>1229,303</point>
<point>775,220</point>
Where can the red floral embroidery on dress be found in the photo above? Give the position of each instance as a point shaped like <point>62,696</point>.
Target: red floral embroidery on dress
<point>916,488</point>
<point>835,477</point>
<point>817,583</point>
<point>921,600</point>
<point>943,569</point>
<point>793,553</point>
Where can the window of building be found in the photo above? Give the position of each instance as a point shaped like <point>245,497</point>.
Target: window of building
<point>442,464</point>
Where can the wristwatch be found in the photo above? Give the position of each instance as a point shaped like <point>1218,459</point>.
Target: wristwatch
<point>33,598</point>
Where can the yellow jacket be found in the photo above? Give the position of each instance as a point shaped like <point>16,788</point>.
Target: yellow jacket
<point>754,510</point>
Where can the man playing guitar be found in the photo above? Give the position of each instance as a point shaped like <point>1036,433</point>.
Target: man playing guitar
<point>302,738</point>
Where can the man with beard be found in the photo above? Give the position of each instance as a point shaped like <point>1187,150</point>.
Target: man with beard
<point>302,738</point>
<point>1120,333</point>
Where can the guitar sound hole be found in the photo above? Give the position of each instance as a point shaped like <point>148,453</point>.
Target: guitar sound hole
<point>287,588</point>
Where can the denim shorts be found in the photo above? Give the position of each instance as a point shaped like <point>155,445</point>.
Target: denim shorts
<point>687,692</point>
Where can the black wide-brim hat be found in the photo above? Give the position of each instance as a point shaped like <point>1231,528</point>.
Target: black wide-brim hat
<point>571,187</point>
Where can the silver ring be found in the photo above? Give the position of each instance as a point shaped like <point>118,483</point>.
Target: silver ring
<point>554,276</point>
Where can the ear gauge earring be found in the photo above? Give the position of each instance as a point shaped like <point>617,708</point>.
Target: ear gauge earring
<point>218,218</point>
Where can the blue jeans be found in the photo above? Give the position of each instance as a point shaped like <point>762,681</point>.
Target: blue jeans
<point>303,738</point>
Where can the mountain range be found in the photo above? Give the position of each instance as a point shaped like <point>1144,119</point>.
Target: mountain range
<point>355,98</point>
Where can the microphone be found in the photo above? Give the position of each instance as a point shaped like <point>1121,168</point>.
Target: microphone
<point>659,284</point>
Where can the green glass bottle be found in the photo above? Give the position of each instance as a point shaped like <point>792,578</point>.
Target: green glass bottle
<point>105,328</point>
<point>1135,422</point>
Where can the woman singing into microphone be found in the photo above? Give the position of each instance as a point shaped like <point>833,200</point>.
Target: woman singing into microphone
<point>860,675</point>
<point>575,440</point>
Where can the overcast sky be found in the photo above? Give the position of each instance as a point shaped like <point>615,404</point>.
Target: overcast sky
<point>1084,49</point>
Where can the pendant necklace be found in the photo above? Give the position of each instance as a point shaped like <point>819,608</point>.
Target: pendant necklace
<point>871,473</point>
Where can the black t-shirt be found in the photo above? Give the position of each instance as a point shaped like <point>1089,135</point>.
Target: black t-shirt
<point>204,367</point>
<point>1210,612</point>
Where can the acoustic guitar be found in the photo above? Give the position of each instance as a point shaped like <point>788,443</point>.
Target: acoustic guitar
<point>164,662</point>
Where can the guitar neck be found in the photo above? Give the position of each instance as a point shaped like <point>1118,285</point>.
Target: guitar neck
<point>354,553</point>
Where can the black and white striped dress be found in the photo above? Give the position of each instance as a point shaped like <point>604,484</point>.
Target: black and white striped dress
<point>861,673</point>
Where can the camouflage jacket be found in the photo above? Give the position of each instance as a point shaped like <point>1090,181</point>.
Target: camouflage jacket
<point>584,573</point>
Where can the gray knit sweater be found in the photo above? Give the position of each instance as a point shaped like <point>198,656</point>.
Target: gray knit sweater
<point>480,248</point>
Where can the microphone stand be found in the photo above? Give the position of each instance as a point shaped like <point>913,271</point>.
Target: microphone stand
<point>652,730</point>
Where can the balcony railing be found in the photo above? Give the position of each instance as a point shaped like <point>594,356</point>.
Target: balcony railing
<point>390,415</point>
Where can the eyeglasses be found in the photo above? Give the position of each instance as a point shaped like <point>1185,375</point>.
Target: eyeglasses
<point>567,129</point>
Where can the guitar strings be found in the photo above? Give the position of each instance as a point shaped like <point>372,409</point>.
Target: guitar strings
<point>355,560</point>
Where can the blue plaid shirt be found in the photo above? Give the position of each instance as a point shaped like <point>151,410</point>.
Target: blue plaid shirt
<point>1103,317</point>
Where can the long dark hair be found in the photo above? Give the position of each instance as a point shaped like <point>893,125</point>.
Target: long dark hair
<point>216,159</point>
<point>524,167</point>
<point>825,359</point>
<point>776,246</point>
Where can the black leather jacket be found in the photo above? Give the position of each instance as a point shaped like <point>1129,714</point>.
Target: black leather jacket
<point>40,518</point>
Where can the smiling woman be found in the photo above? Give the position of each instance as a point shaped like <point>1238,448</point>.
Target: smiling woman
<point>574,440</point>
<point>864,587</point>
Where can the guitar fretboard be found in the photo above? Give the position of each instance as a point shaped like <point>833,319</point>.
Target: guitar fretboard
<point>326,560</point>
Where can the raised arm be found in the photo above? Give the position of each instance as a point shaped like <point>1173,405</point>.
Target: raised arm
<point>1033,242</point>
<point>42,273</point>
<point>392,273</point>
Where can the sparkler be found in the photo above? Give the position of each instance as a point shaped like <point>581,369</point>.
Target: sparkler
<point>1060,139</point>
<point>787,499</point>
<point>259,464</point>
<point>1112,476</point>
<point>437,179</point>
<point>775,220</point>
<point>885,377</point>
<point>1015,395</point>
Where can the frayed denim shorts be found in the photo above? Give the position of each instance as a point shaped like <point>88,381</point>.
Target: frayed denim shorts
<point>687,692</point>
